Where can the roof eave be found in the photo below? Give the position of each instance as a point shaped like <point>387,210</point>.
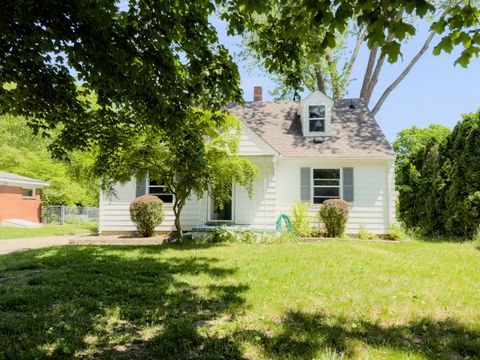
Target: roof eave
<point>10,182</point>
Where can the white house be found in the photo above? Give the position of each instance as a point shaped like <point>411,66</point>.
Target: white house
<point>311,151</point>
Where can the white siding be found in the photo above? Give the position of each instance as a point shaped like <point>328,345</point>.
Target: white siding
<point>275,192</point>
<point>258,212</point>
<point>370,191</point>
<point>252,145</point>
<point>115,215</point>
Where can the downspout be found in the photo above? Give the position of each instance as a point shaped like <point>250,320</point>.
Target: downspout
<point>100,211</point>
<point>389,194</point>
<point>264,195</point>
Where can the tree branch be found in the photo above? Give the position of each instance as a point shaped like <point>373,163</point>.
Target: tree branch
<point>348,71</point>
<point>403,74</point>
<point>320,79</point>
<point>368,71</point>
<point>378,67</point>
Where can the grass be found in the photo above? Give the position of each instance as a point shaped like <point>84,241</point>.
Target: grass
<point>10,232</point>
<point>326,300</point>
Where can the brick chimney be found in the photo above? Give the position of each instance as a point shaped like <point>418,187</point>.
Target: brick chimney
<point>257,93</point>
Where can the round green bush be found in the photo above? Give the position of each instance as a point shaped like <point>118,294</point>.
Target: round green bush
<point>147,213</point>
<point>334,215</point>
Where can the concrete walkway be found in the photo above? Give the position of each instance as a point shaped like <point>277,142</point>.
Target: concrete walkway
<point>11,245</point>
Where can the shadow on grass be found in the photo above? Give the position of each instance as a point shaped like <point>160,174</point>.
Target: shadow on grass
<point>108,303</point>
<point>303,335</point>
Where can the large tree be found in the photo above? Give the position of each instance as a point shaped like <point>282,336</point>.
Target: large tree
<point>292,43</point>
<point>152,61</point>
<point>417,167</point>
<point>199,159</point>
<point>149,63</point>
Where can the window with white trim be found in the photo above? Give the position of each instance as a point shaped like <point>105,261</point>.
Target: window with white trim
<point>28,193</point>
<point>326,185</point>
<point>316,118</point>
<point>158,189</point>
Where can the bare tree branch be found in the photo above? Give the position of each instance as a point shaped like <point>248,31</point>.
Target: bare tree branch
<point>372,82</point>
<point>403,74</point>
<point>368,71</point>
<point>348,72</point>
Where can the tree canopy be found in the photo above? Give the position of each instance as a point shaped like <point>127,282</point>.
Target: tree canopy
<point>307,58</point>
<point>152,62</point>
<point>72,182</point>
<point>202,157</point>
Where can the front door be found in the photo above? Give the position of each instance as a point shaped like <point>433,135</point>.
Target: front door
<point>217,213</point>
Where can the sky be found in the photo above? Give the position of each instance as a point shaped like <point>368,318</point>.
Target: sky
<point>434,92</point>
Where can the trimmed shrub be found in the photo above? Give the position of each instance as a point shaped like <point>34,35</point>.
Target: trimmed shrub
<point>147,213</point>
<point>334,214</point>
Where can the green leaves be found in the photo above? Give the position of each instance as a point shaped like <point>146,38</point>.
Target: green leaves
<point>437,172</point>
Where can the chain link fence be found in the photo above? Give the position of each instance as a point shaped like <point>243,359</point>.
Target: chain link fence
<point>61,214</point>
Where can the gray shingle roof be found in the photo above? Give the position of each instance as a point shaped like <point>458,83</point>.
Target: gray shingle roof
<point>13,178</point>
<point>354,131</point>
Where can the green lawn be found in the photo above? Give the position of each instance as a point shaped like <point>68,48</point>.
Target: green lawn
<point>9,232</point>
<point>330,300</point>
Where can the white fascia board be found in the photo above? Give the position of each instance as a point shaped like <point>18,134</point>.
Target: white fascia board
<point>10,182</point>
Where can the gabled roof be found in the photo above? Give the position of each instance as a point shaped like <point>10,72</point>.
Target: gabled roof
<point>354,131</point>
<point>13,179</point>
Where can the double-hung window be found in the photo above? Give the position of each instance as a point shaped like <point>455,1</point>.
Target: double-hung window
<point>316,118</point>
<point>158,189</point>
<point>326,185</point>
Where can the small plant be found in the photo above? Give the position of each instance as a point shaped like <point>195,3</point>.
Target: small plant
<point>266,238</point>
<point>249,236</point>
<point>286,237</point>
<point>395,232</point>
<point>334,215</point>
<point>301,221</point>
<point>365,234</point>
<point>223,234</point>
<point>147,213</point>
<point>476,238</point>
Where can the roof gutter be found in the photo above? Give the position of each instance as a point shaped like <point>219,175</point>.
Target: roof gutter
<point>10,182</point>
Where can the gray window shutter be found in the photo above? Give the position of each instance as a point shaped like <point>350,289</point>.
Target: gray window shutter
<point>348,184</point>
<point>305,184</point>
<point>141,188</point>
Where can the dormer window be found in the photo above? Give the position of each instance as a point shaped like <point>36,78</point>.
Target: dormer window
<point>316,118</point>
<point>316,115</point>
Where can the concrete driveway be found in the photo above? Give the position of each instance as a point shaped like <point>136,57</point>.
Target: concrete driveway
<point>11,245</point>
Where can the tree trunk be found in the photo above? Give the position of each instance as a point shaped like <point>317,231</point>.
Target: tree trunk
<point>320,79</point>
<point>348,72</point>
<point>404,73</point>
<point>368,72</point>
<point>334,77</point>
<point>372,82</point>
<point>177,211</point>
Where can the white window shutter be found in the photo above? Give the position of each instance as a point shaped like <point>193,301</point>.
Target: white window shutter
<point>305,184</point>
<point>348,184</point>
